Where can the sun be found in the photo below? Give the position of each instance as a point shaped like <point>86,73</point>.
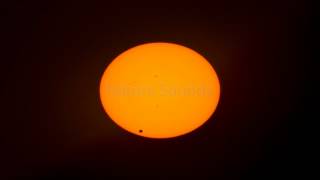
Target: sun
<point>159,90</point>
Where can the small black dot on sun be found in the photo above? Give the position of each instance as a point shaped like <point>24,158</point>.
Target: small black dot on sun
<point>140,131</point>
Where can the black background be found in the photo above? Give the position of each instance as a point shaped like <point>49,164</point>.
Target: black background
<point>55,53</point>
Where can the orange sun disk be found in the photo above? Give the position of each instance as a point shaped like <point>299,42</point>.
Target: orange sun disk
<point>159,90</point>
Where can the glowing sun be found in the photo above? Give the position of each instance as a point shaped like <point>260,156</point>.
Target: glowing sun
<point>159,90</point>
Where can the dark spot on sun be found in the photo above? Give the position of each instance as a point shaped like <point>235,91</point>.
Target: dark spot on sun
<point>156,75</point>
<point>140,131</point>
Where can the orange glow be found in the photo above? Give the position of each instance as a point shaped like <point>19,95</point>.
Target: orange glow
<point>159,90</point>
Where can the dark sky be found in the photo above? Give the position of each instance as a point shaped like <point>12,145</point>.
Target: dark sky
<point>54,126</point>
